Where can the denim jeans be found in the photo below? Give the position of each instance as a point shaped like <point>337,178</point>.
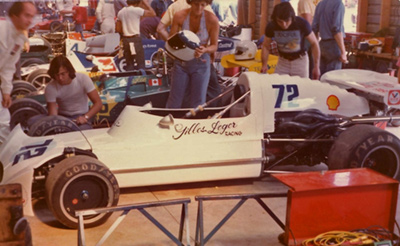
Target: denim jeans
<point>330,56</point>
<point>193,75</point>
<point>129,58</point>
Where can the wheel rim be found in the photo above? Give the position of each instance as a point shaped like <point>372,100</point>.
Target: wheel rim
<point>41,81</point>
<point>85,192</point>
<point>383,159</point>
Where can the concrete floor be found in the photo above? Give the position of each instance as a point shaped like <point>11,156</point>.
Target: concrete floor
<point>250,225</point>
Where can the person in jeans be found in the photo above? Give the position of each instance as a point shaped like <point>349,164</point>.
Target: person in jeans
<point>290,33</point>
<point>328,25</point>
<point>194,74</point>
<point>128,25</point>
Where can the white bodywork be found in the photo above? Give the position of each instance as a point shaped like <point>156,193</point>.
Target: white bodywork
<point>140,151</point>
<point>382,86</point>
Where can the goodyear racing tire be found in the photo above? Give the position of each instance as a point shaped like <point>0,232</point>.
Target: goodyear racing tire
<point>22,109</point>
<point>79,183</point>
<point>366,146</point>
<point>21,88</point>
<point>52,124</point>
<point>39,78</point>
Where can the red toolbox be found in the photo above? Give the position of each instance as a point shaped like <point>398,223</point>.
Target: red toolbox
<point>348,199</point>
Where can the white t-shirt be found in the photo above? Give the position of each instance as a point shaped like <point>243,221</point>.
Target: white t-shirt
<point>65,5</point>
<point>72,99</point>
<point>130,18</point>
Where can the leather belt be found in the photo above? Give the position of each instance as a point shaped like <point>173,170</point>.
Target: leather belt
<point>133,36</point>
<point>292,57</point>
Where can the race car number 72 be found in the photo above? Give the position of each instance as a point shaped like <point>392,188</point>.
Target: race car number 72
<point>286,93</point>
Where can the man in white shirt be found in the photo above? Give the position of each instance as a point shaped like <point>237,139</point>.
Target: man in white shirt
<point>128,25</point>
<point>11,44</point>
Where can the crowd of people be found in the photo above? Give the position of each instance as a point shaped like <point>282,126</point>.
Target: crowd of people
<point>300,52</point>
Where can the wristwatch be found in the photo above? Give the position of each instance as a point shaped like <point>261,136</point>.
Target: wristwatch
<point>86,117</point>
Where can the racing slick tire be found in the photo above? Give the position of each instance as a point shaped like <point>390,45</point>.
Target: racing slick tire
<point>78,183</point>
<point>39,78</point>
<point>21,88</point>
<point>52,124</point>
<point>366,146</point>
<point>32,62</point>
<point>22,109</point>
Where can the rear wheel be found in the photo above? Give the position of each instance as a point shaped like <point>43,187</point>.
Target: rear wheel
<point>366,146</point>
<point>79,183</point>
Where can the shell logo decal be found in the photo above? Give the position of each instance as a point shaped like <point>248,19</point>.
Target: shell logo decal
<point>333,102</point>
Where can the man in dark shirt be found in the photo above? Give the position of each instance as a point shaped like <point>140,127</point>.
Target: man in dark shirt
<point>290,32</point>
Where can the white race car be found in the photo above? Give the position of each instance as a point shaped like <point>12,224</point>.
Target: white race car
<point>272,120</point>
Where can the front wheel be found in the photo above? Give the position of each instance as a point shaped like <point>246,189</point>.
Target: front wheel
<point>366,146</point>
<point>79,183</point>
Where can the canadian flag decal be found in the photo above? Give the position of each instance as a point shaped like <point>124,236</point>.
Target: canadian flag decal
<point>155,82</point>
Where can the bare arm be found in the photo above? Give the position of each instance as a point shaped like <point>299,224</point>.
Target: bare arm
<point>339,40</point>
<point>148,10</point>
<point>162,31</point>
<point>118,27</point>
<point>52,108</point>
<point>97,104</point>
<point>316,55</point>
<point>265,53</point>
<point>95,99</point>
<point>213,31</point>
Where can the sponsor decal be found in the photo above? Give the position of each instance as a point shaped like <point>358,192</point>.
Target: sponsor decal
<point>155,82</point>
<point>394,97</point>
<point>287,94</point>
<point>147,46</point>
<point>225,45</point>
<point>105,64</point>
<point>30,151</point>
<point>216,128</point>
<point>333,102</point>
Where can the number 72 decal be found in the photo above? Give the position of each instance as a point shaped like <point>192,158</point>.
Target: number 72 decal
<point>286,93</point>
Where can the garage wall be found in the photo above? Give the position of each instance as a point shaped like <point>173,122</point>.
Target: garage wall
<point>394,16</point>
<point>374,15</point>
<point>379,14</point>
<point>255,12</point>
